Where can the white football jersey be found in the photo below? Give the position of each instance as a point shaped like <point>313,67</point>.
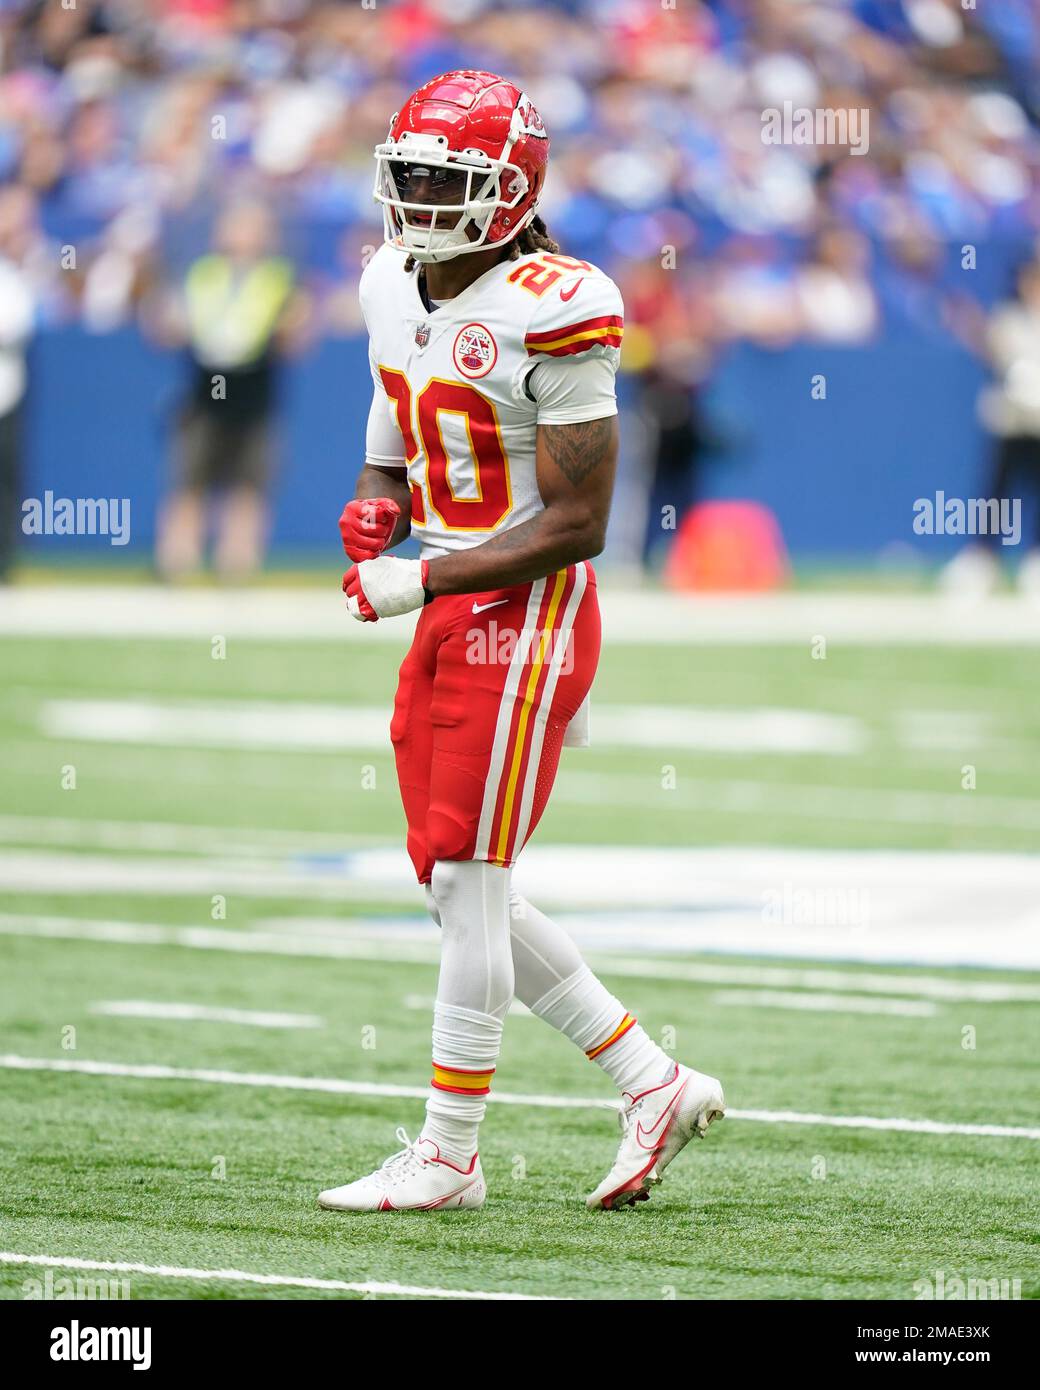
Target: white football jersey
<point>460,391</point>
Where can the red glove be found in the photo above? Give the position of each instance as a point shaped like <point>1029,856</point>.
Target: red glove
<point>366,526</point>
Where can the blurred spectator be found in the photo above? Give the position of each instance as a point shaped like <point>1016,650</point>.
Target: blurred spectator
<point>129,120</point>
<point>1010,408</point>
<point>670,331</point>
<point>836,302</point>
<point>17,309</point>
<point>236,310</point>
<point>142,114</point>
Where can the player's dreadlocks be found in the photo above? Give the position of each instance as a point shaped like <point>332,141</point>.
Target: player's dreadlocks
<point>534,237</point>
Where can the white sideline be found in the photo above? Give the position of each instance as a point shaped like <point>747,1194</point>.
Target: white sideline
<point>409,940</point>
<point>244,1276</point>
<point>335,1086</point>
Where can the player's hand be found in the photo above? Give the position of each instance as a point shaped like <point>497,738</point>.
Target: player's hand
<point>385,587</point>
<point>366,526</point>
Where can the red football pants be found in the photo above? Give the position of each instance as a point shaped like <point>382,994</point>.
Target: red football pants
<point>484,697</point>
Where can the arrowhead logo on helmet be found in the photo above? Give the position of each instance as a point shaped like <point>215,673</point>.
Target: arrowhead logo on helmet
<point>462,166</point>
<point>530,121</point>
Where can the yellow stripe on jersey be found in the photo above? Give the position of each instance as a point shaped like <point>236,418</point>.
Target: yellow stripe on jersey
<point>611,337</point>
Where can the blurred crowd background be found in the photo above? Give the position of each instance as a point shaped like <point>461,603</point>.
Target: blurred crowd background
<point>141,139</point>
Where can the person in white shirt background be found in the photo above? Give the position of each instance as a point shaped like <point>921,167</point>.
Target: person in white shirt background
<point>17,313</point>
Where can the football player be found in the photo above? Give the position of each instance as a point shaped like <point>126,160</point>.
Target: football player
<point>492,438</point>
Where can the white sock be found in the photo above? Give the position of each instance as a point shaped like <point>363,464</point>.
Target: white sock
<point>474,990</point>
<point>465,1047</point>
<point>543,953</point>
<point>585,1011</point>
<point>555,983</point>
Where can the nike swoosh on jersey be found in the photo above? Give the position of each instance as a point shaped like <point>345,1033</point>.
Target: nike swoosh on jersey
<point>573,290</point>
<point>479,607</point>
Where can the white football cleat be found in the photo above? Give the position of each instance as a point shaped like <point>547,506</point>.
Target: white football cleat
<point>973,573</point>
<point>414,1179</point>
<point>656,1125</point>
<point>1029,575</point>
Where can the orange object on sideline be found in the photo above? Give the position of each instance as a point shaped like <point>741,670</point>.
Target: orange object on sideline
<point>727,545</point>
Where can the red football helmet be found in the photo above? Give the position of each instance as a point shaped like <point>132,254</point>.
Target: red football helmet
<point>468,150</point>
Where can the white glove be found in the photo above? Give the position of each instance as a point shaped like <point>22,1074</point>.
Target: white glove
<point>385,587</point>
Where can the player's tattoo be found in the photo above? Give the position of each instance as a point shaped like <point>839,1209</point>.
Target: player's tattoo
<point>578,449</point>
<point>516,537</point>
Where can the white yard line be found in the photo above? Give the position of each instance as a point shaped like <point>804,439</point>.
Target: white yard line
<point>274,1081</point>
<point>297,726</point>
<point>823,1003</point>
<point>335,1086</point>
<point>797,1117</point>
<point>201,1013</point>
<point>632,615</point>
<point>243,1276</point>
<point>402,940</point>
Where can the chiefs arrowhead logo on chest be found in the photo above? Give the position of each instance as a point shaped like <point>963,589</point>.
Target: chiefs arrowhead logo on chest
<point>475,351</point>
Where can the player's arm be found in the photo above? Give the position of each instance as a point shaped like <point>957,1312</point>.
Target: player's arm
<point>575,466</point>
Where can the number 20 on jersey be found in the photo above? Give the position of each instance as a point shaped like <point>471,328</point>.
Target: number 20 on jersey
<point>493,501</point>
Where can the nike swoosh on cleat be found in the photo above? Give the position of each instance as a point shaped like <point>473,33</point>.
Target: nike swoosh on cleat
<point>643,1133</point>
<point>479,607</point>
<point>432,1204</point>
<point>573,290</point>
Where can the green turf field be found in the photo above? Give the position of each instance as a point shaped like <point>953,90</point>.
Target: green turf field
<point>185,1173</point>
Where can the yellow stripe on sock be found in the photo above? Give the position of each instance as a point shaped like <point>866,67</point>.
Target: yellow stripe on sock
<point>446,1079</point>
<point>619,1032</point>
